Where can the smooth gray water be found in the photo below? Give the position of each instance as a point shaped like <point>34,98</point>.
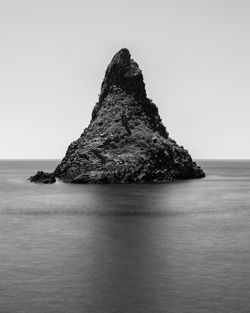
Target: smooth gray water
<point>178,248</point>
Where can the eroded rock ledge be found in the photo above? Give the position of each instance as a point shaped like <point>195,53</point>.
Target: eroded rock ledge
<point>125,141</point>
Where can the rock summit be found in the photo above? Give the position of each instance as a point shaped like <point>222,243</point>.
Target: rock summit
<point>125,141</point>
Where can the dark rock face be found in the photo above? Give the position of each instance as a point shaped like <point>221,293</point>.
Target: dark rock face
<point>125,141</point>
<point>42,177</point>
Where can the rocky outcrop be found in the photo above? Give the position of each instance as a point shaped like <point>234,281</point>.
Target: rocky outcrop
<point>125,141</point>
<point>42,177</point>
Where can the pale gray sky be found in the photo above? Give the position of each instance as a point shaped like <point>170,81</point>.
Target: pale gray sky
<point>194,54</point>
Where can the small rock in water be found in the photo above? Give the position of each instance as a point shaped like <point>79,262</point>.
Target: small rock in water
<point>42,177</point>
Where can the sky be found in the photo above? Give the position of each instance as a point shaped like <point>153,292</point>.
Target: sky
<point>194,55</point>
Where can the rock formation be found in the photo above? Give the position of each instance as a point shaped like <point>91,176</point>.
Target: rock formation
<point>125,141</point>
<point>45,178</point>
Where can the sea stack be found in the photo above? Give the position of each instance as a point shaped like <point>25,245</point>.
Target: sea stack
<point>125,141</point>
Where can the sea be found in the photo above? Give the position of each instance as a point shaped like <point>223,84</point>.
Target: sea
<point>181,247</point>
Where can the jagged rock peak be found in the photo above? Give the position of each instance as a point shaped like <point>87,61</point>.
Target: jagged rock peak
<point>126,141</point>
<point>123,72</point>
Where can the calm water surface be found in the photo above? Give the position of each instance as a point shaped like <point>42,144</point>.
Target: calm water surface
<point>177,248</point>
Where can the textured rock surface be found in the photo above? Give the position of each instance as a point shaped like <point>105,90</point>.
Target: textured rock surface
<point>125,141</point>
